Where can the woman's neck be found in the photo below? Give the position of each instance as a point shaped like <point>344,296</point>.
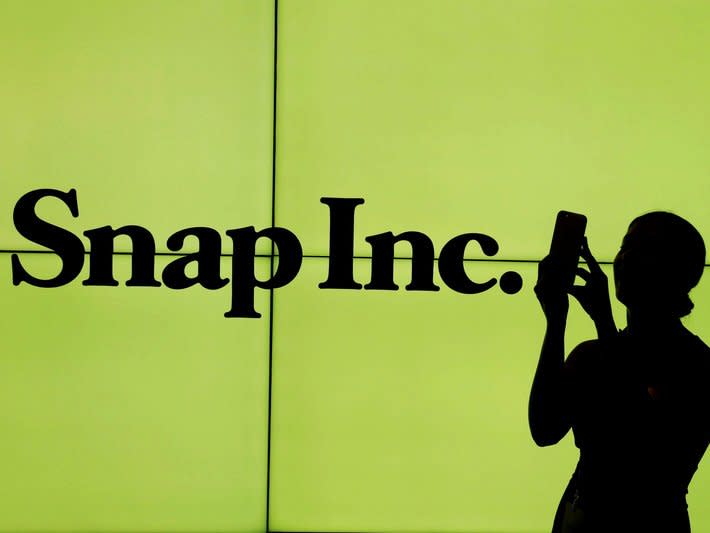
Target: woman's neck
<point>651,325</point>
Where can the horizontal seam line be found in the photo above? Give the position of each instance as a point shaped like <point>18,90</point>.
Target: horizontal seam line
<point>306,256</point>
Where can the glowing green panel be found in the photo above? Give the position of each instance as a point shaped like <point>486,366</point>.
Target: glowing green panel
<point>130,408</point>
<point>159,113</point>
<point>407,411</point>
<point>452,116</point>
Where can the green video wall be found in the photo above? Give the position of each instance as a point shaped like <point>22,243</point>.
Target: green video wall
<point>131,409</point>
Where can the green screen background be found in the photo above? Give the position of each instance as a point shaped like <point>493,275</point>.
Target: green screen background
<point>144,409</point>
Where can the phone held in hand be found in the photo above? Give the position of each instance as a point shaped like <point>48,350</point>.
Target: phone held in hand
<point>566,244</point>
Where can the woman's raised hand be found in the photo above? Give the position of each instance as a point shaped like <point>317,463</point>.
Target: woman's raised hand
<point>550,293</point>
<point>594,294</point>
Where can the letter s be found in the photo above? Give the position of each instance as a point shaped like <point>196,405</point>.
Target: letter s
<point>63,242</point>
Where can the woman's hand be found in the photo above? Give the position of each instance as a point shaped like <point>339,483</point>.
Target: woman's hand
<point>594,294</point>
<point>550,292</point>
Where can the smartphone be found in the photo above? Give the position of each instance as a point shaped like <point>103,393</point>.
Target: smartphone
<point>566,244</point>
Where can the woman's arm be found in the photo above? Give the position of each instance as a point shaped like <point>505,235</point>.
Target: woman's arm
<point>546,409</point>
<point>549,397</point>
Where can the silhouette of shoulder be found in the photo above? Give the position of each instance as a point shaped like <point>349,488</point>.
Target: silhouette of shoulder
<point>581,357</point>
<point>695,351</point>
<point>617,364</point>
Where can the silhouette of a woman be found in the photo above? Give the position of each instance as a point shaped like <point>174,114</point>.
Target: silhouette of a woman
<point>637,399</point>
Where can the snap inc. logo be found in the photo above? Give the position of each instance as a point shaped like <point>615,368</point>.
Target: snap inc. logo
<point>71,251</point>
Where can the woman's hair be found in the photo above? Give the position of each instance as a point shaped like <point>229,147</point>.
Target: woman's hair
<point>683,245</point>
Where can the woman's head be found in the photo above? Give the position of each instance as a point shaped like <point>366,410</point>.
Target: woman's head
<point>661,258</point>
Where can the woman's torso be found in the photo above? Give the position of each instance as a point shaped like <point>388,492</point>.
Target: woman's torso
<point>639,415</point>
